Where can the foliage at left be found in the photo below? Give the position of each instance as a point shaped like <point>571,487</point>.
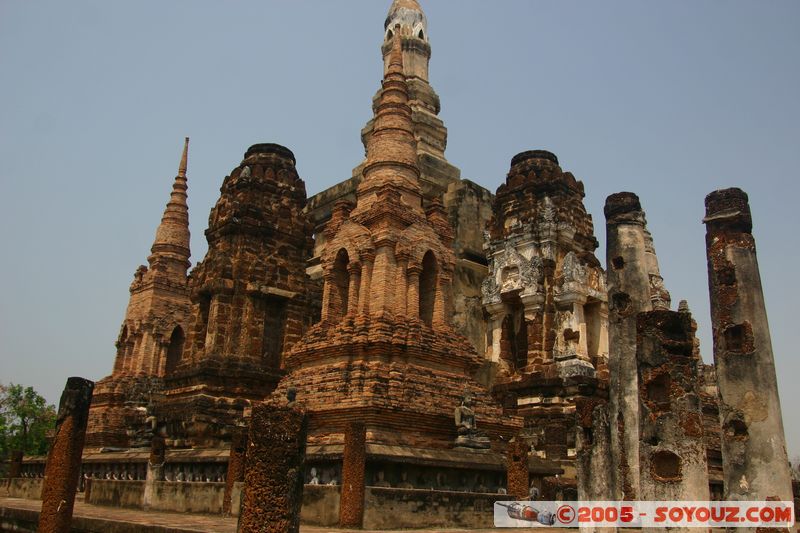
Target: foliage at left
<point>25,419</point>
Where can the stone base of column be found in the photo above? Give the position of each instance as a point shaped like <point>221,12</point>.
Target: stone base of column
<point>517,468</point>
<point>273,483</point>
<point>351,508</point>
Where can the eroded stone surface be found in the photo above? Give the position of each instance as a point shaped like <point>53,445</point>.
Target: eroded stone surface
<point>753,444</point>
<point>672,450</point>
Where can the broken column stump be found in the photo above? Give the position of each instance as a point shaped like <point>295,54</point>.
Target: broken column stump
<point>64,458</point>
<point>754,455</point>
<point>517,468</point>
<point>593,454</point>
<point>155,469</point>
<point>236,463</point>
<point>672,449</point>
<point>273,479</point>
<point>15,468</point>
<point>351,508</point>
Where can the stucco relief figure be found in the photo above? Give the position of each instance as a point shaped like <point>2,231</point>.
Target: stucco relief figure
<point>510,277</point>
<point>380,480</point>
<point>468,434</point>
<point>404,482</point>
<point>489,288</point>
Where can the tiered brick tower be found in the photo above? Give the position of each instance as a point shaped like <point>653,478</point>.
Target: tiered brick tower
<point>546,300</point>
<point>467,205</point>
<point>385,352</point>
<point>152,335</point>
<point>248,296</point>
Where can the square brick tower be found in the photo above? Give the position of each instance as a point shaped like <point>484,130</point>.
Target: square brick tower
<point>248,300</point>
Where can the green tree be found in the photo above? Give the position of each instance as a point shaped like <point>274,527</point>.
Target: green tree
<point>25,418</point>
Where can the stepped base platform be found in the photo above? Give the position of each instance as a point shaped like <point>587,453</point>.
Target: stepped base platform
<point>23,515</point>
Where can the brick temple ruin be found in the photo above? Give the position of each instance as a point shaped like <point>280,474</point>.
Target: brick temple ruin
<point>439,336</point>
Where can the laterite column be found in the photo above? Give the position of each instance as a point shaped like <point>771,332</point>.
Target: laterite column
<point>64,459</point>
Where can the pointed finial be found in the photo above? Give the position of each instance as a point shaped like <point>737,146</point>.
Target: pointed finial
<point>412,5</point>
<point>184,158</point>
<point>172,235</point>
<point>683,306</point>
<point>396,54</point>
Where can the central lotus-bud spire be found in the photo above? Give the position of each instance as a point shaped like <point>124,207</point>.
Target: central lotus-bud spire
<point>409,15</point>
<point>391,150</point>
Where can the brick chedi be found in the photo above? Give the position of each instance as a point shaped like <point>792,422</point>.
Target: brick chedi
<point>467,205</point>
<point>545,297</point>
<point>248,297</point>
<point>152,335</point>
<point>385,351</point>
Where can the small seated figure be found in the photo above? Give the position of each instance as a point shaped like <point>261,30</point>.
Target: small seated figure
<point>441,481</point>
<point>180,476</point>
<point>404,483</point>
<point>479,485</point>
<point>291,397</point>
<point>380,481</point>
<point>468,434</point>
<point>314,477</point>
<point>533,492</point>
<point>334,480</point>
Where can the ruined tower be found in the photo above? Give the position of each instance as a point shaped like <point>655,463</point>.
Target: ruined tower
<point>754,455</point>
<point>634,286</point>
<point>386,342</point>
<point>672,451</point>
<point>248,298</point>
<point>545,297</point>
<point>152,335</point>
<point>467,206</point>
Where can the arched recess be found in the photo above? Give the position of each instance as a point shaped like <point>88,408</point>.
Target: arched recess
<point>427,287</point>
<point>122,349</point>
<point>174,350</point>
<point>340,284</point>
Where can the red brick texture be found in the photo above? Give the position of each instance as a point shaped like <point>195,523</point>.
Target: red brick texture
<point>273,490</point>
<point>236,463</point>
<point>517,469</point>
<point>64,459</point>
<point>351,508</point>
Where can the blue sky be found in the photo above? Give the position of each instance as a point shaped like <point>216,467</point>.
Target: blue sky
<point>670,100</point>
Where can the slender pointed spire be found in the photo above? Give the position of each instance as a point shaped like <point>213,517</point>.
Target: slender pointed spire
<point>172,235</point>
<point>391,149</point>
<point>184,158</point>
<point>407,4</point>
